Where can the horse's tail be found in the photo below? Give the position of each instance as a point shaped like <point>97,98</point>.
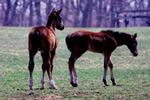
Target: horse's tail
<point>69,42</point>
<point>35,37</point>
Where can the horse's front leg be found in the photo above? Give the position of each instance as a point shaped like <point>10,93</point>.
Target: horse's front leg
<point>106,62</point>
<point>111,73</point>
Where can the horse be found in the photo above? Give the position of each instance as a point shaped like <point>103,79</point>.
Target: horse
<point>43,39</point>
<point>104,42</point>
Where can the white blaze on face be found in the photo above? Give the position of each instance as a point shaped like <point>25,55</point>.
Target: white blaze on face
<point>62,23</point>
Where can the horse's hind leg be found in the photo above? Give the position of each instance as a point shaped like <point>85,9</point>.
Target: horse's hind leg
<point>51,82</point>
<point>43,70</point>
<point>111,73</point>
<point>52,58</point>
<point>31,66</point>
<point>72,69</point>
<point>46,56</point>
<point>47,65</point>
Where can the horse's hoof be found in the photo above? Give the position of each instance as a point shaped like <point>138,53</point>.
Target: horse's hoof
<point>105,82</point>
<point>113,82</point>
<point>74,84</point>
<point>106,85</point>
<point>52,84</point>
<point>41,88</point>
<point>53,87</point>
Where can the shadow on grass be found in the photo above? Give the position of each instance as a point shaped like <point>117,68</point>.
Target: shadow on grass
<point>21,89</point>
<point>118,85</point>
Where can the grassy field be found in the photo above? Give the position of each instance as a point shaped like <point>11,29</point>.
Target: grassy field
<point>132,73</point>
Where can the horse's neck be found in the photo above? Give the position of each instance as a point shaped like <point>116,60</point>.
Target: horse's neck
<point>52,29</point>
<point>122,39</point>
<point>51,25</point>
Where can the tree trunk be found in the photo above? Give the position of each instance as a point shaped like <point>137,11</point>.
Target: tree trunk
<point>149,4</point>
<point>13,21</point>
<point>38,13</point>
<point>7,13</point>
<point>48,7</point>
<point>85,12</point>
<point>99,12</point>
<point>76,12</point>
<point>90,10</point>
<point>31,14</point>
<point>22,12</point>
<point>112,13</point>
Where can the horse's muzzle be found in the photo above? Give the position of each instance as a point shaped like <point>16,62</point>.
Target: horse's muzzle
<point>135,53</point>
<point>60,27</point>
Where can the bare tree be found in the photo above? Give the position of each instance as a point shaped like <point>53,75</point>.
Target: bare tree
<point>13,18</point>
<point>48,6</point>
<point>86,9</point>
<point>38,13</point>
<point>22,12</point>
<point>31,13</point>
<point>149,4</point>
<point>7,13</point>
<point>76,13</point>
<point>99,12</point>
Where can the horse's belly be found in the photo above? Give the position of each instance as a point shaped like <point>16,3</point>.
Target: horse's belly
<point>96,49</point>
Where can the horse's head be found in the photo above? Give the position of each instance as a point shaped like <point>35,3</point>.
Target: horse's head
<point>133,45</point>
<point>57,18</point>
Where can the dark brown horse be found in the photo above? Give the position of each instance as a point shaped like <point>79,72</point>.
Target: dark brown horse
<point>43,39</point>
<point>104,42</point>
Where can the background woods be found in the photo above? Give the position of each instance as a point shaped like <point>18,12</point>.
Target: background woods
<point>76,13</point>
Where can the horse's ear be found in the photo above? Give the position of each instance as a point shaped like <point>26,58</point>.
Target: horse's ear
<point>59,11</point>
<point>135,35</point>
<point>53,10</point>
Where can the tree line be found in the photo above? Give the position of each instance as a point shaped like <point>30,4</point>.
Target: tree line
<point>76,13</point>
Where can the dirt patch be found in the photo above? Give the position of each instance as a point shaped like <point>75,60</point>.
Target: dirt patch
<point>1,75</point>
<point>48,97</point>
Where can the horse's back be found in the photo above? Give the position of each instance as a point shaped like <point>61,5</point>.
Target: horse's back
<point>42,38</point>
<point>92,41</point>
<point>77,40</point>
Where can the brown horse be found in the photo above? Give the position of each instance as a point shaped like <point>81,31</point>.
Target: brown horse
<point>43,39</point>
<point>104,42</point>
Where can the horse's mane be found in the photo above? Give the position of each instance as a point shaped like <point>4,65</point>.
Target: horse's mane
<point>116,33</point>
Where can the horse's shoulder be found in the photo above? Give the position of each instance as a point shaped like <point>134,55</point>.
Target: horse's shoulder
<point>111,39</point>
<point>108,38</point>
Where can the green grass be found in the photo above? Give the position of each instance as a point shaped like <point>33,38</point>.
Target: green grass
<point>132,73</point>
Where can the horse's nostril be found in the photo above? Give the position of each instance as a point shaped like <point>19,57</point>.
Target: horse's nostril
<point>135,54</point>
<point>62,27</point>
